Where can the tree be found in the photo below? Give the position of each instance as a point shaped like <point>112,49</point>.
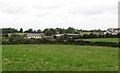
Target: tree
<point>85,36</point>
<point>5,35</point>
<point>108,35</point>
<point>92,35</point>
<point>70,30</point>
<point>29,30</point>
<point>21,30</point>
<point>39,31</point>
<point>15,35</point>
<point>46,32</point>
<point>34,31</point>
<point>118,35</point>
<point>59,30</point>
<point>9,30</point>
<point>49,32</point>
<point>53,31</point>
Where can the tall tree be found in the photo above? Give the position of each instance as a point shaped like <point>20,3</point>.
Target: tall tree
<point>39,31</point>
<point>29,30</point>
<point>21,30</point>
<point>59,30</point>
<point>70,30</point>
<point>9,30</point>
<point>49,32</point>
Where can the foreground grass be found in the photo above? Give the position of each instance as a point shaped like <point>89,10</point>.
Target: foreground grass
<point>103,40</point>
<point>59,57</point>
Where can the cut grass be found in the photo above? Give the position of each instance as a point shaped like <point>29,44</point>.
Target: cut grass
<point>59,58</point>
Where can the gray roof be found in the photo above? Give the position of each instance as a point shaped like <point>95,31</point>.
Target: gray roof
<point>72,34</point>
<point>35,34</point>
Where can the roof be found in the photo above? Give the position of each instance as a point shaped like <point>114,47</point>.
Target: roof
<point>113,29</point>
<point>72,34</point>
<point>34,34</point>
<point>58,35</point>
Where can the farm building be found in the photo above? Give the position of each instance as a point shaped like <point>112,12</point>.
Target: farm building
<point>69,35</point>
<point>72,34</point>
<point>113,31</point>
<point>34,35</point>
<point>58,35</point>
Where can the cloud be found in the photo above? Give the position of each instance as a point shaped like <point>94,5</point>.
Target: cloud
<point>96,8</point>
<point>40,14</point>
<point>88,11</point>
<point>14,10</point>
<point>50,7</point>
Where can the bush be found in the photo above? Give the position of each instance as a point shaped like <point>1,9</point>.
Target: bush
<point>15,35</point>
<point>53,41</point>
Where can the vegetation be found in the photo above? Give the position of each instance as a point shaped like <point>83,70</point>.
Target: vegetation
<point>50,30</point>
<point>89,50</point>
<point>103,40</point>
<point>21,30</point>
<point>83,34</point>
<point>89,32</point>
<point>69,41</point>
<point>59,58</point>
<point>9,30</point>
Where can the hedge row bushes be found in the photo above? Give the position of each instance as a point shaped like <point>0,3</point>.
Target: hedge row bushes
<point>51,41</point>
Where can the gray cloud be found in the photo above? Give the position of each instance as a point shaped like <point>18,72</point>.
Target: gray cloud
<point>86,11</point>
<point>113,10</point>
<point>58,13</point>
<point>50,7</point>
<point>14,10</point>
<point>93,10</point>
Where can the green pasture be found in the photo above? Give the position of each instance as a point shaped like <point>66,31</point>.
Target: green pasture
<point>103,40</point>
<point>59,58</point>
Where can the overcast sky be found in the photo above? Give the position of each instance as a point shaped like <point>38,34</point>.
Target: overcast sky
<point>40,14</point>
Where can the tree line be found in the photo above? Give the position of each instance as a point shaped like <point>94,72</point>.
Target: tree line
<point>65,39</point>
<point>50,30</point>
<point>57,41</point>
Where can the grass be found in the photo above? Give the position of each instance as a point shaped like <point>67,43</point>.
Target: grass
<point>102,40</point>
<point>59,58</point>
<point>21,34</point>
<point>82,33</point>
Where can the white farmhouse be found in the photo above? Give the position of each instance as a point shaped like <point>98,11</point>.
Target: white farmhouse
<point>34,35</point>
<point>113,31</point>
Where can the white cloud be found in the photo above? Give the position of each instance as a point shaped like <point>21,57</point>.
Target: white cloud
<point>40,14</point>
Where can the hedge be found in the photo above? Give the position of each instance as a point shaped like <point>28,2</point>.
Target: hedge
<point>51,41</point>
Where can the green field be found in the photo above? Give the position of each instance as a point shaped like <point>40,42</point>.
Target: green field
<point>21,34</point>
<point>59,58</point>
<point>90,32</point>
<point>102,40</point>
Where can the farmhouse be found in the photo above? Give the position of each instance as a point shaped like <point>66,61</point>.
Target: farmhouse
<point>34,35</point>
<point>113,31</point>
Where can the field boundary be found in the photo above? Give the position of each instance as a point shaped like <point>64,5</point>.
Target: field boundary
<point>67,42</point>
